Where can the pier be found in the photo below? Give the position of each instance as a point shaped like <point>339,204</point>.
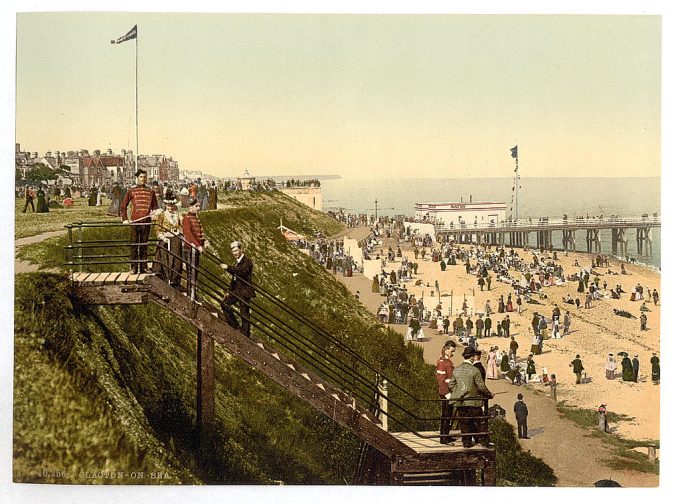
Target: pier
<point>518,233</point>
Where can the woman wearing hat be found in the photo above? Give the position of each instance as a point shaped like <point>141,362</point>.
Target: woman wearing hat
<point>491,367</point>
<point>602,421</point>
<point>168,260</point>
<point>656,368</point>
<point>531,367</point>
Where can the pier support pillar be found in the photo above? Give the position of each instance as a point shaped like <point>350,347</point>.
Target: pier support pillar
<point>569,239</point>
<point>644,241</point>
<point>593,242</point>
<point>619,241</point>
<point>544,239</point>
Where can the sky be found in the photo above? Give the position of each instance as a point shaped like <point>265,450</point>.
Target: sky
<point>358,95</point>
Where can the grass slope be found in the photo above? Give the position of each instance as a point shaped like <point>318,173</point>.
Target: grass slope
<point>113,388</point>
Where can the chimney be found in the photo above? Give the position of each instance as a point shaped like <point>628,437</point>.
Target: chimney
<point>109,152</point>
<point>97,152</point>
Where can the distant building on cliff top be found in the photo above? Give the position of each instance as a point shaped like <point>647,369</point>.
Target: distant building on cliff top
<point>245,181</point>
<point>307,195</point>
<point>481,213</point>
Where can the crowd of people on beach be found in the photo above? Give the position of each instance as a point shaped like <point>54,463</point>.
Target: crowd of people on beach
<point>527,281</point>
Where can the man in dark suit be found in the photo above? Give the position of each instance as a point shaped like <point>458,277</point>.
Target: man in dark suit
<point>240,290</point>
<point>521,414</point>
<point>478,364</point>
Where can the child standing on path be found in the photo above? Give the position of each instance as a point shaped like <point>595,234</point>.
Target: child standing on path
<point>553,387</point>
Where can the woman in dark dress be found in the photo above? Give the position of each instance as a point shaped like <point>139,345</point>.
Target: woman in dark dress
<point>505,363</point>
<point>41,206</point>
<point>656,368</point>
<point>581,286</point>
<point>531,367</point>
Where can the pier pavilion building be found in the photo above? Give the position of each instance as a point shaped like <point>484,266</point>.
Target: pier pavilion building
<point>486,213</point>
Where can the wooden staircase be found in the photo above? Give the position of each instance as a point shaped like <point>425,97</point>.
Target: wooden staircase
<point>392,458</point>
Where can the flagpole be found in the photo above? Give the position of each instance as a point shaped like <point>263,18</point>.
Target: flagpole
<point>137,95</point>
<point>516,186</point>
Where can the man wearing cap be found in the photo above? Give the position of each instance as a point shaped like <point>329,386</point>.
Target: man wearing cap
<point>636,368</point>
<point>478,364</point>
<point>144,203</point>
<point>602,421</point>
<point>521,414</point>
<point>241,290</point>
<point>467,391</point>
<point>194,243</point>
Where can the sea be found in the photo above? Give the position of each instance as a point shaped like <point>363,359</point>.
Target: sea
<point>537,197</point>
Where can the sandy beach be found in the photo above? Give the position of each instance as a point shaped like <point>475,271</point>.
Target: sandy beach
<point>595,332</point>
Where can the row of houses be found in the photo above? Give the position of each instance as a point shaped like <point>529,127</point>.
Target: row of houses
<point>82,168</point>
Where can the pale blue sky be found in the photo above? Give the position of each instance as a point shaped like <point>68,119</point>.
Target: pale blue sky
<point>357,95</point>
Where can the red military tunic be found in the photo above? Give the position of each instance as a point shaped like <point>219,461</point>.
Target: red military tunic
<point>444,372</point>
<point>192,231</point>
<point>143,203</point>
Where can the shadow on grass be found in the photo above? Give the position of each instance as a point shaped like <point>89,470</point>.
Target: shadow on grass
<point>622,450</point>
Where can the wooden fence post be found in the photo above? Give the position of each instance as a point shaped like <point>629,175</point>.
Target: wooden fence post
<point>383,404</point>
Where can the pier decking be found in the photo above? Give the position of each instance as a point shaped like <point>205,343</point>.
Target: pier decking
<point>516,233</point>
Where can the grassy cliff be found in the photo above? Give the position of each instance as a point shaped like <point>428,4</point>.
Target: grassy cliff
<point>107,394</point>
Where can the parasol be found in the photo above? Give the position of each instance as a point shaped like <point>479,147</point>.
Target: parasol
<point>604,483</point>
<point>623,354</point>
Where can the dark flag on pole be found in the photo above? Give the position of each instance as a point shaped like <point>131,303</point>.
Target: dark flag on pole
<point>513,151</point>
<point>132,34</point>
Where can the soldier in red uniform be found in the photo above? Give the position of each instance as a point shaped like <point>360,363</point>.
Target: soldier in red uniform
<point>194,244</point>
<point>444,372</point>
<point>143,203</point>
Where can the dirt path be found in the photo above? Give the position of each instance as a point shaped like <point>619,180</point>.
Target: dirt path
<point>25,266</point>
<point>356,233</point>
<point>577,458</point>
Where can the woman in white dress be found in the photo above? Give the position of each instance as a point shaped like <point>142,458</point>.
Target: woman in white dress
<point>491,367</point>
<point>610,367</point>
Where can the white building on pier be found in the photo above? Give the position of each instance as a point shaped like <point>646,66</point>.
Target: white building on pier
<point>480,213</point>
